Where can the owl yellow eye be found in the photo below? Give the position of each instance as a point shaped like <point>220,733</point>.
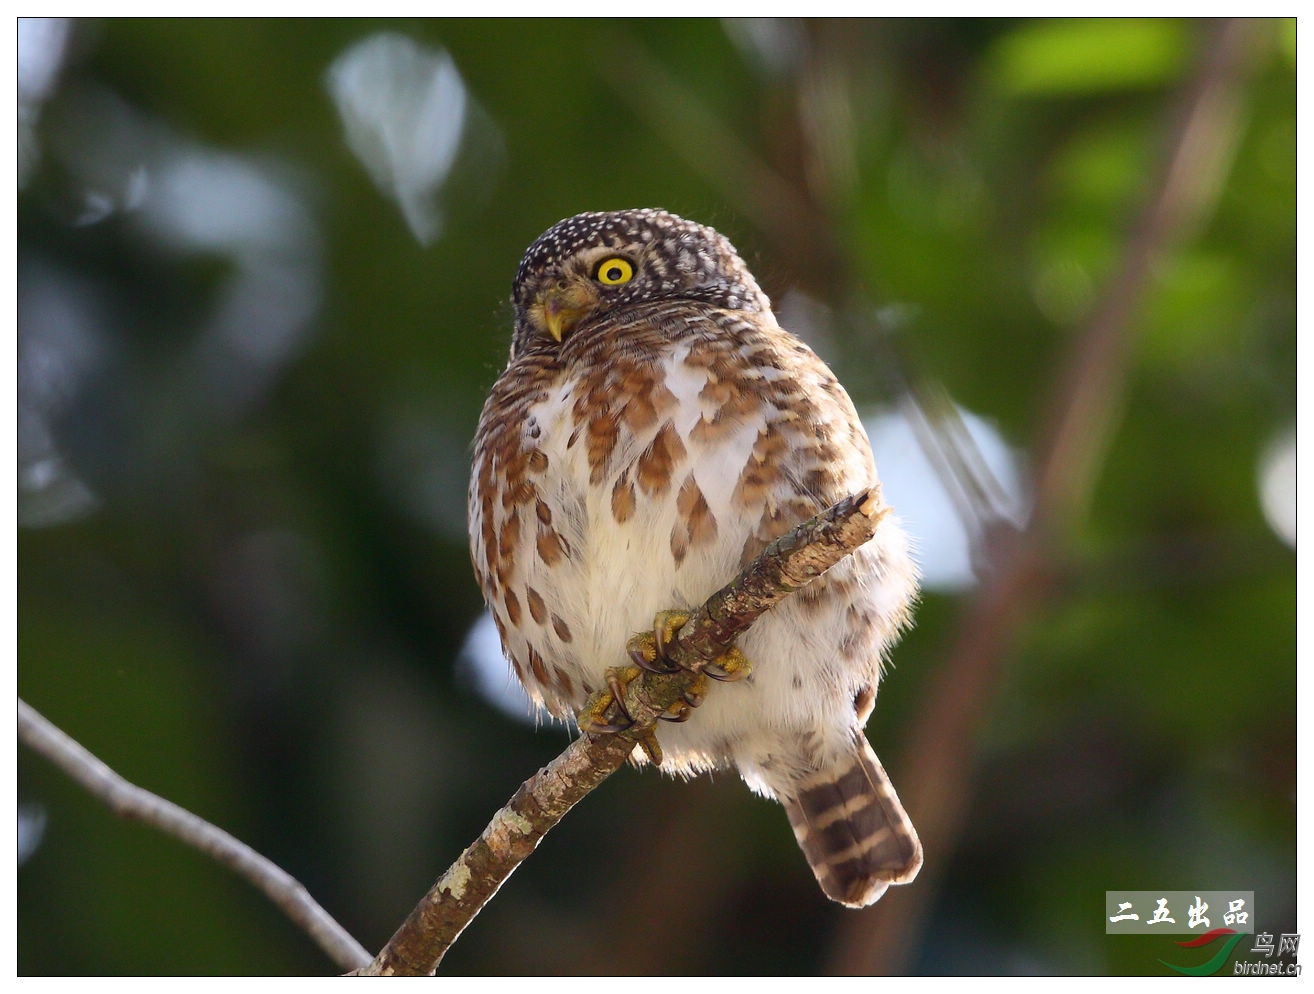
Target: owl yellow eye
<point>615,270</point>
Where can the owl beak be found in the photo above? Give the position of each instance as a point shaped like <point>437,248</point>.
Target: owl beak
<point>560,318</point>
<point>563,308</point>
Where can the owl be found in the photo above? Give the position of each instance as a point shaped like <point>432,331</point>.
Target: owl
<point>655,428</point>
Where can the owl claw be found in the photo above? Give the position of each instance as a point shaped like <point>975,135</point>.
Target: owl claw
<point>692,698</point>
<point>680,713</point>
<point>593,718</point>
<point>648,650</point>
<point>665,626</point>
<point>643,650</point>
<point>598,728</point>
<point>617,680</point>
<point>605,711</point>
<point>732,665</point>
<point>648,743</point>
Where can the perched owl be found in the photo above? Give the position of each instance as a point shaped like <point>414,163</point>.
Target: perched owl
<point>653,430</point>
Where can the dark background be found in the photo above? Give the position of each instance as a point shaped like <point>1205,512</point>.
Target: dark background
<point>248,375</point>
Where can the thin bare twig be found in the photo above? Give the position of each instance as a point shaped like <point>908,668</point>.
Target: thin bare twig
<point>137,804</point>
<point>787,564</point>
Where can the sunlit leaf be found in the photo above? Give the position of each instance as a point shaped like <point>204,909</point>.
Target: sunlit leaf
<point>1061,57</point>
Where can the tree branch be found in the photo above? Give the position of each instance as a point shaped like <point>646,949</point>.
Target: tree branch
<point>137,804</point>
<point>790,562</point>
<point>784,566</point>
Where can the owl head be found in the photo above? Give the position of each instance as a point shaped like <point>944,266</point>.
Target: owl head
<point>591,265</point>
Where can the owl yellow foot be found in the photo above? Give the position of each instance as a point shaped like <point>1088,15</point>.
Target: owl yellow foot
<point>594,717</point>
<point>730,666</point>
<point>693,697</point>
<point>604,712</point>
<point>648,650</point>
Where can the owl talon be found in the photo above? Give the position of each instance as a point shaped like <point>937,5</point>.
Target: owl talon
<point>616,685</point>
<point>593,717</point>
<point>647,648</point>
<point>732,665</point>
<point>682,710</point>
<point>595,728</point>
<point>665,627</point>
<point>696,694</point>
<point>643,650</point>
<point>648,743</point>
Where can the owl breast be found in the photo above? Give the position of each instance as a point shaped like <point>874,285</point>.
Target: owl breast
<point>640,468</point>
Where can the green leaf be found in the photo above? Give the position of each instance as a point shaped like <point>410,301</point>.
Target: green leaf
<point>1068,57</point>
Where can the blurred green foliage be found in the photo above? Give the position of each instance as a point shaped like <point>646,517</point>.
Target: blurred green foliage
<point>243,424</point>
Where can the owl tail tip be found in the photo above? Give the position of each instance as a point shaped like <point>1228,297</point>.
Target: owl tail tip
<point>853,830</point>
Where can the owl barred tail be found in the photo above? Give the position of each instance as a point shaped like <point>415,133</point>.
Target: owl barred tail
<point>854,832</point>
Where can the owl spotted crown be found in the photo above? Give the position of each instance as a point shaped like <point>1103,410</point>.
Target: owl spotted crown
<point>680,258</point>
